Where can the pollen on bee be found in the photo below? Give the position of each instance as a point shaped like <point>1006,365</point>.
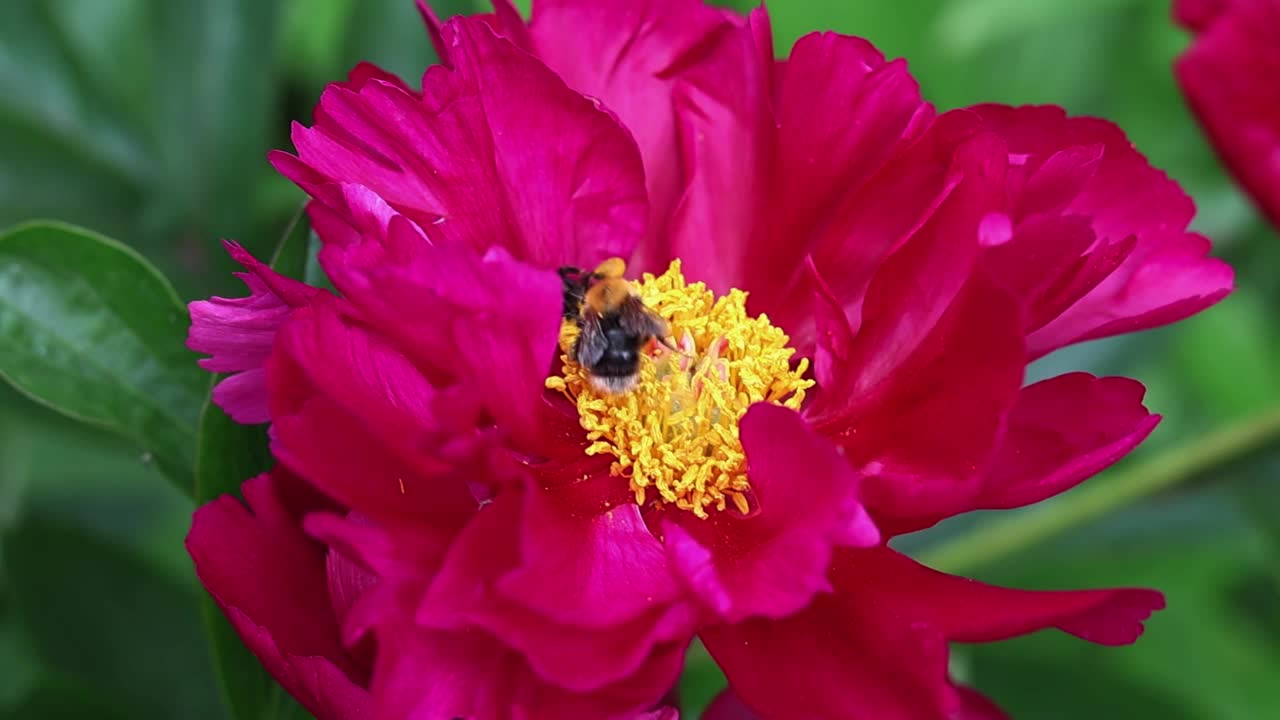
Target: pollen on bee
<point>673,431</point>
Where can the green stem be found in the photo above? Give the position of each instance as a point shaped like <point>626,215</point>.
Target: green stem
<point>1007,535</point>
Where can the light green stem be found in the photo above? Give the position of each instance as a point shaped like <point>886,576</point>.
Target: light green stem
<point>1007,535</point>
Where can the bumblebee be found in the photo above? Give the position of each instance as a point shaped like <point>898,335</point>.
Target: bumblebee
<point>613,325</point>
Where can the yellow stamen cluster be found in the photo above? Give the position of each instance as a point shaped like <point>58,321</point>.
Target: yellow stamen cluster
<point>676,434</point>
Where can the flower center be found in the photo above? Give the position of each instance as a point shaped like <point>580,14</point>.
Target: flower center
<point>674,436</point>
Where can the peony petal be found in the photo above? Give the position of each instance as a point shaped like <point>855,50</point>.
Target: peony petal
<point>633,56</point>
<point>843,114</point>
<point>1059,433</point>
<point>867,225</point>
<point>354,417</point>
<point>269,579</point>
<point>1229,78</point>
<point>772,563</point>
<point>1054,174</point>
<point>1063,431</point>
<point>727,706</point>
<point>965,610</point>
<point>925,437</point>
<point>976,706</point>
<point>587,570</point>
<point>497,152</point>
<point>237,333</point>
<point>488,323</point>
<point>839,658</point>
<point>578,656</point>
<point>725,131</point>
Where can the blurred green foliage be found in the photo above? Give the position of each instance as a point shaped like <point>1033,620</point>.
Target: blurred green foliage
<point>148,120</point>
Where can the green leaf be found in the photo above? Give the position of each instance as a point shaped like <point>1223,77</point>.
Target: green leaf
<point>229,453</point>
<point>113,625</point>
<point>54,700</point>
<point>90,329</point>
<point>146,119</point>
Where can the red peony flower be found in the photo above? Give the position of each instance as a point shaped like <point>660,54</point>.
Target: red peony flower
<point>1229,77</point>
<point>853,288</point>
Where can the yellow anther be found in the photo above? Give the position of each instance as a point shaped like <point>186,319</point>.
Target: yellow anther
<point>676,432</point>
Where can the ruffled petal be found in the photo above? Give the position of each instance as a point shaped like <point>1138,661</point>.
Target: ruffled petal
<point>727,706</point>
<point>925,436</point>
<point>1062,167</point>
<point>772,563</point>
<point>585,655</point>
<point>269,579</point>
<point>488,323</point>
<point>843,115</point>
<point>841,658</point>
<point>1059,433</point>
<point>1229,78</point>
<point>725,132</point>
<point>965,610</point>
<point>498,151</point>
<point>632,56</point>
<point>976,706</point>
<point>354,417</point>
<point>237,334</point>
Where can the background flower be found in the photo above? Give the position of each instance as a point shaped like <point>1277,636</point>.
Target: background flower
<point>1228,78</point>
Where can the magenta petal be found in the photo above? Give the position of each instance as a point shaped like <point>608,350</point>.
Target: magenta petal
<point>772,563</point>
<point>925,437</point>
<point>727,706</point>
<point>1165,277</point>
<point>269,579</point>
<point>237,333</point>
<point>1061,432</point>
<point>725,129</point>
<point>843,115</point>
<point>588,570</point>
<point>1229,78</point>
<point>498,151</point>
<point>453,313</point>
<point>965,610</point>
<point>580,657</point>
<point>976,706</point>
<point>354,417</point>
<point>634,56</point>
<point>839,658</point>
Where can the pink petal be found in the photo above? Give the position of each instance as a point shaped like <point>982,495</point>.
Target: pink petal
<point>1059,433</point>
<point>965,610</point>
<point>634,56</point>
<point>269,579</point>
<point>580,656</point>
<point>354,417</point>
<point>488,323</point>
<point>771,564</point>
<point>1063,431</point>
<point>867,225</point>
<point>589,570</point>
<point>1054,174</point>
<point>838,658</point>
<point>727,706</point>
<point>237,333</point>
<point>925,435</point>
<point>1229,78</point>
<point>725,126</point>
<point>901,312</point>
<point>976,706</point>
<point>843,116</point>
<point>497,152</point>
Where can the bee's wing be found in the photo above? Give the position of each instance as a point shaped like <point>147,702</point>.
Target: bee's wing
<point>637,319</point>
<point>591,342</point>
